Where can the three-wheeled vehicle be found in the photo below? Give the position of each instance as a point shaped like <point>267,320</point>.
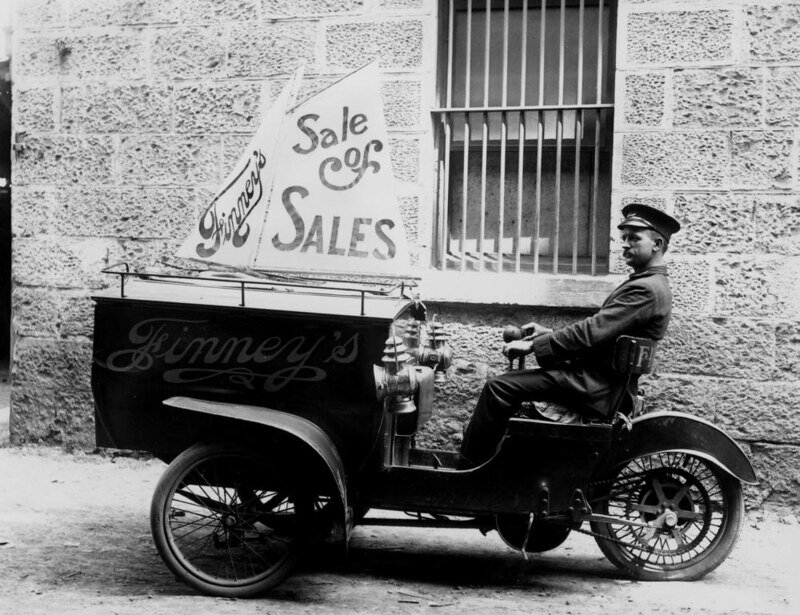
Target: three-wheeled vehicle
<point>287,410</point>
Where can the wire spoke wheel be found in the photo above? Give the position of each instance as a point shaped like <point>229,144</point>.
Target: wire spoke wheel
<point>227,523</point>
<point>678,516</point>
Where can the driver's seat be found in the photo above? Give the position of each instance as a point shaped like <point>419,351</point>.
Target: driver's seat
<point>633,356</point>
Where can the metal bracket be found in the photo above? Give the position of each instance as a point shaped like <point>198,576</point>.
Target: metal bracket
<point>579,507</point>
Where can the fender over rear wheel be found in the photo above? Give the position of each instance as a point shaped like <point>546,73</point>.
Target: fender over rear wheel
<point>673,516</point>
<point>228,522</point>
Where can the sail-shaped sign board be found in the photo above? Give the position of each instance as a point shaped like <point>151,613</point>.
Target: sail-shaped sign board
<point>334,204</point>
<point>229,229</point>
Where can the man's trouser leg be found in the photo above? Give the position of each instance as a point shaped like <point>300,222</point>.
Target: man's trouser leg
<point>499,400</point>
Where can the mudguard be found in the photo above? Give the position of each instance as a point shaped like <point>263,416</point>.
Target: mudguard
<point>678,432</point>
<point>306,432</point>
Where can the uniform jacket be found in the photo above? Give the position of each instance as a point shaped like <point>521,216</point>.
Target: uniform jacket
<point>580,355</point>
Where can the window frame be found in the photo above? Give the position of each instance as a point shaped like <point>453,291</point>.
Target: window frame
<point>445,146</point>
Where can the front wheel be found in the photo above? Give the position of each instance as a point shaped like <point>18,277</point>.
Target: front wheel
<point>227,522</point>
<point>670,516</point>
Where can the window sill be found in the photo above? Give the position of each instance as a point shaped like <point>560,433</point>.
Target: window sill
<point>543,290</point>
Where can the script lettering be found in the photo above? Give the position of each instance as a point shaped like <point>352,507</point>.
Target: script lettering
<point>218,228</point>
<point>164,341</point>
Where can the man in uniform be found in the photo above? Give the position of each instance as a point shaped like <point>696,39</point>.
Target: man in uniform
<point>575,361</point>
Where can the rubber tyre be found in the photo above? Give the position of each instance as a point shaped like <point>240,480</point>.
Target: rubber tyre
<point>214,513</point>
<point>704,492</point>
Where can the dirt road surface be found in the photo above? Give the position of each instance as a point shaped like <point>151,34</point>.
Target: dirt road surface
<point>75,539</point>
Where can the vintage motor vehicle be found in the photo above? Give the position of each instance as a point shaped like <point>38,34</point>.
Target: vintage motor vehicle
<point>287,410</point>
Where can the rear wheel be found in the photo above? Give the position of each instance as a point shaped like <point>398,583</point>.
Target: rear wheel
<point>674,516</point>
<point>227,522</point>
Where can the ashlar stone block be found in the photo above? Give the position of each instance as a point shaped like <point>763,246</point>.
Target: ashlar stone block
<point>113,109</point>
<point>79,56</point>
<point>402,103</point>
<point>216,11</point>
<point>260,50</point>
<point>33,14</point>
<point>787,352</point>
<point>409,211</point>
<point>398,44</point>
<point>679,37</point>
<point>758,286</point>
<point>690,281</point>
<point>778,469</point>
<point>43,312</point>
<point>729,348</point>
<point>761,159</point>
<point>35,312</point>
<point>308,8</point>
<point>142,212</point>
<point>60,262</point>
<point>222,107</point>
<point>31,213</point>
<point>783,96</point>
<point>677,159</point>
<point>233,146</point>
<point>405,159</point>
<point>644,98</point>
<point>122,12</point>
<point>186,53</point>
<point>777,227</point>
<point>670,393</point>
<point>143,254</point>
<point>402,4</point>
<point>169,159</point>
<point>758,411</point>
<point>51,399</point>
<point>773,31</point>
<point>34,109</point>
<point>718,97</point>
<point>63,160</point>
<point>714,222</point>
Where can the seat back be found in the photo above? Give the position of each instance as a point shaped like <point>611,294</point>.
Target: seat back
<point>634,355</point>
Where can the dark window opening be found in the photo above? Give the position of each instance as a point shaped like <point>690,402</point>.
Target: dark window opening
<point>525,135</point>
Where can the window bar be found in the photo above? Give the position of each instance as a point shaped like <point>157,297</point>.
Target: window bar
<point>464,180</point>
<point>539,139</point>
<point>578,139</point>
<point>521,142</point>
<point>444,222</point>
<point>597,124</point>
<point>464,188</point>
<point>595,188</point>
<point>577,189</point>
<point>484,134</point>
<point>484,157</point>
<point>559,133</point>
<point>557,188</point>
<point>450,35</point>
<point>503,143</point>
<point>537,214</point>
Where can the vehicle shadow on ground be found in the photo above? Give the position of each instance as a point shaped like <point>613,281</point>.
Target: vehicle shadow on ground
<point>121,560</point>
<point>464,566</point>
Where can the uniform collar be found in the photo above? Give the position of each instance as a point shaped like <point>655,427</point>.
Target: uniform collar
<point>656,269</point>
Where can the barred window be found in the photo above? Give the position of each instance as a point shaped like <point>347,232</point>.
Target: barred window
<point>525,135</point>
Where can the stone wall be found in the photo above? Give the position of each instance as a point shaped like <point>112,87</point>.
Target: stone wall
<point>128,112</point>
<point>708,127</point>
<point>127,115</point>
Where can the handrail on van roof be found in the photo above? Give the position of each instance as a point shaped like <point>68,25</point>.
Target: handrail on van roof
<point>262,280</point>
